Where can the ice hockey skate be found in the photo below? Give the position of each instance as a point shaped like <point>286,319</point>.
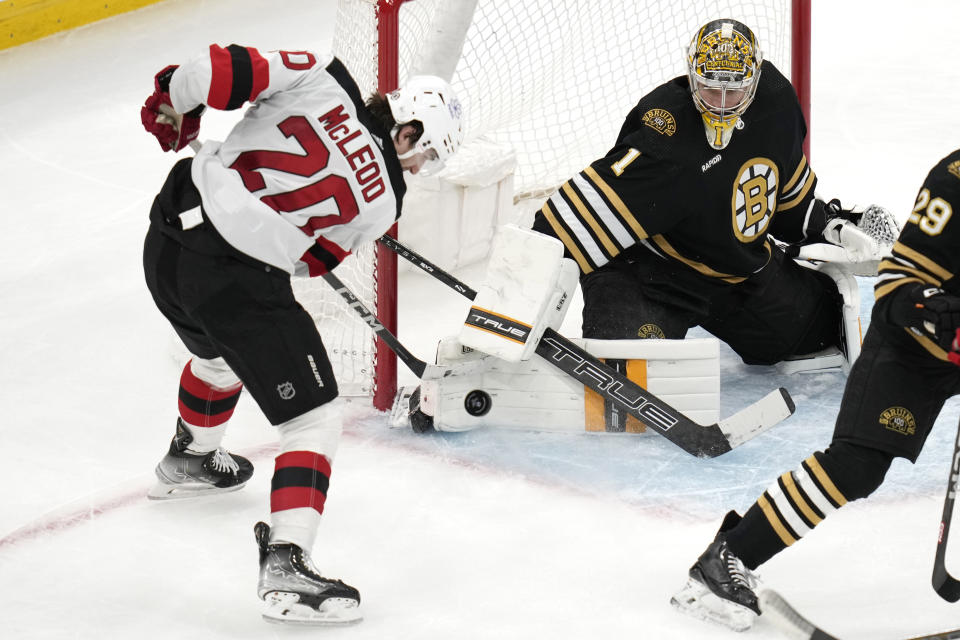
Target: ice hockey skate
<point>720,589</point>
<point>182,474</point>
<point>295,593</point>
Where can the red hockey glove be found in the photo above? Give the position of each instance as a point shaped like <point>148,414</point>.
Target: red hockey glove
<point>172,130</point>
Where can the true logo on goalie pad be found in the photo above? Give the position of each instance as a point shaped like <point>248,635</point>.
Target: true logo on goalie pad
<point>499,325</point>
<point>596,378</point>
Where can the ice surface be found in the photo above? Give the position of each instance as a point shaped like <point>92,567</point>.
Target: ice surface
<point>476,535</point>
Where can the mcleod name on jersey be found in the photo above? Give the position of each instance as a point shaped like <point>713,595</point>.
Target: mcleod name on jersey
<point>663,191</point>
<point>306,176</point>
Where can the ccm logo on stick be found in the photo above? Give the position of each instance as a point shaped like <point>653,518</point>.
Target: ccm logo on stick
<point>596,378</point>
<point>499,325</point>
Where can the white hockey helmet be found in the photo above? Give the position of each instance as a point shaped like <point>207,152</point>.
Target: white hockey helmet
<point>723,64</point>
<point>432,101</point>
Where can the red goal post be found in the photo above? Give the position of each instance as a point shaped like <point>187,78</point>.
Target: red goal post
<point>551,79</point>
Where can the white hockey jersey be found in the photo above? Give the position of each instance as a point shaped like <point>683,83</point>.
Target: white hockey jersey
<point>306,176</point>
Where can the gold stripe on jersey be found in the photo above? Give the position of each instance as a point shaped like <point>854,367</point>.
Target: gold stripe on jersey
<point>591,174</point>
<point>798,501</point>
<point>921,260</point>
<point>824,481</point>
<point>884,287</point>
<point>665,246</point>
<point>894,268</point>
<point>811,179</point>
<point>565,238</point>
<point>796,175</point>
<point>774,519</point>
<point>935,350</point>
<point>586,215</point>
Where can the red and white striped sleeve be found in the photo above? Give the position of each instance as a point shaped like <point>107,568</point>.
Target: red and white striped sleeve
<point>227,78</point>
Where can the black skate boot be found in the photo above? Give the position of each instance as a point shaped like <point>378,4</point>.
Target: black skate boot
<point>293,591</point>
<point>720,589</point>
<point>182,474</point>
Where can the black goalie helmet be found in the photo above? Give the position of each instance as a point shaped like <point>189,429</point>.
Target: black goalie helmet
<point>723,63</point>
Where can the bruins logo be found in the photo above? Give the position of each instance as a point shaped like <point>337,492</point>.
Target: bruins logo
<point>754,198</point>
<point>661,121</point>
<point>900,420</point>
<point>650,331</point>
<point>954,168</point>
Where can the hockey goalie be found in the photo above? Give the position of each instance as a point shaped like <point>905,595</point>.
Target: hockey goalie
<point>528,288</point>
<point>704,213</point>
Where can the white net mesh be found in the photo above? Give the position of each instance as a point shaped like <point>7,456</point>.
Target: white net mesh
<point>551,79</point>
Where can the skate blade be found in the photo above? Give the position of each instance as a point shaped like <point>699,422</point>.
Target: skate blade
<point>167,491</point>
<point>285,608</point>
<point>695,599</point>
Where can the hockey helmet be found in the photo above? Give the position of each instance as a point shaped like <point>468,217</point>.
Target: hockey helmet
<point>723,63</point>
<point>431,101</point>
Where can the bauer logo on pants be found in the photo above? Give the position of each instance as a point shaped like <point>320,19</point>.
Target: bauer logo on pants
<point>499,325</point>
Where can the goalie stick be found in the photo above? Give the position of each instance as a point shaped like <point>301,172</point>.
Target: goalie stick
<point>946,586</point>
<point>795,626</point>
<point>704,441</point>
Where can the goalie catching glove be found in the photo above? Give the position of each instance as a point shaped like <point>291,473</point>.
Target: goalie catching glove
<point>172,130</point>
<point>863,235</point>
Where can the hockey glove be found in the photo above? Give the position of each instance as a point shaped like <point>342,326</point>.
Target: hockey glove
<point>172,130</point>
<point>930,310</point>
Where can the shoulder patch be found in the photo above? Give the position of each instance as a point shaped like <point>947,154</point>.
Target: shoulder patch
<point>954,168</point>
<point>661,121</point>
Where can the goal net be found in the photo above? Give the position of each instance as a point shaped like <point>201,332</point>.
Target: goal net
<point>549,79</point>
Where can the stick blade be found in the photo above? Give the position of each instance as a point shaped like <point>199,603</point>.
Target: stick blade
<point>751,421</point>
<point>946,586</point>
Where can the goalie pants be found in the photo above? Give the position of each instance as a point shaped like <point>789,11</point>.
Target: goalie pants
<point>784,310</point>
<point>893,396</point>
<point>225,304</point>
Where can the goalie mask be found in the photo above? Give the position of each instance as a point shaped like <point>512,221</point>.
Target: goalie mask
<point>723,63</point>
<point>431,101</point>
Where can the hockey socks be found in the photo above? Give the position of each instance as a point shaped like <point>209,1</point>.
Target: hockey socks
<point>206,401</point>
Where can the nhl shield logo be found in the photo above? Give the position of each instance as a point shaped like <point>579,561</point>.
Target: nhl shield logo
<point>286,390</point>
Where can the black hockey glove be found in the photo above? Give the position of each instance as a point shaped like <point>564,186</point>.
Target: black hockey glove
<point>928,309</point>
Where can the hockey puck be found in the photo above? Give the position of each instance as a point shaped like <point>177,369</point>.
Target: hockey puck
<point>477,403</point>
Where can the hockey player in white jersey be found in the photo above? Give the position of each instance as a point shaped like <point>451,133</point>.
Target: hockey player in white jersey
<point>309,174</point>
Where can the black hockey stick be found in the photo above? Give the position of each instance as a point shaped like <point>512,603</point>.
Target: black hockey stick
<point>705,441</point>
<point>416,365</point>
<point>775,608</point>
<point>946,586</point>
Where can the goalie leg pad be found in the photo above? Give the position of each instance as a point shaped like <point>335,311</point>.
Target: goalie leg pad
<point>533,395</point>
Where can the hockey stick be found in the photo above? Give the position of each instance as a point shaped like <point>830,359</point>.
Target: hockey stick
<point>705,441</point>
<point>422,370</point>
<point>793,624</point>
<point>946,586</point>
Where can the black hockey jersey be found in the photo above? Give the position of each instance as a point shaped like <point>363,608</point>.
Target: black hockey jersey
<point>928,249</point>
<point>663,189</point>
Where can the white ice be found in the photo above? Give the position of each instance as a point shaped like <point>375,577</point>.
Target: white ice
<point>480,535</point>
